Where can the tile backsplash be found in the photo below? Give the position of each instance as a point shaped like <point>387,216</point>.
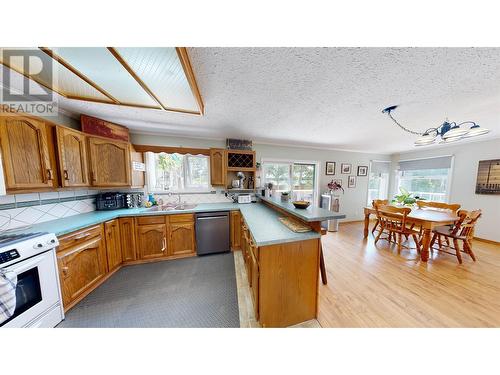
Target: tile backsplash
<point>22,210</point>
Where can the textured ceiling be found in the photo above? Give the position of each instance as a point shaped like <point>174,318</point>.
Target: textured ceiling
<point>327,97</point>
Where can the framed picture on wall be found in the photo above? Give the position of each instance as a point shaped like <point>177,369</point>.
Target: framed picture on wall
<point>362,170</point>
<point>330,168</point>
<point>351,182</point>
<point>488,177</point>
<point>345,168</point>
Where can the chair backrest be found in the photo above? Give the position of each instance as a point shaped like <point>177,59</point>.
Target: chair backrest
<point>438,206</point>
<point>468,222</point>
<point>380,202</point>
<point>391,216</point>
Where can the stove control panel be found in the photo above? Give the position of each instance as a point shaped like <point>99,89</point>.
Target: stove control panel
<point>7,256</point>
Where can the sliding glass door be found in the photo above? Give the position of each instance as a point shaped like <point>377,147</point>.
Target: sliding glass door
<point>297,178</point>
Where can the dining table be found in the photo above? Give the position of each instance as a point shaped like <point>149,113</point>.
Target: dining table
<point>427,219</point>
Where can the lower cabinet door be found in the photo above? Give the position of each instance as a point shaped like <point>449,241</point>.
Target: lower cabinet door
<point>182,238</point>
<point>235,230</point>
<point>113,248</point>
<point>255,286</point>
<point>80,267</point>
<point>127,237</point>
<point>152,241</point>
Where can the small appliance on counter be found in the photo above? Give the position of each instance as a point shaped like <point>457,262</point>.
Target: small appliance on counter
<point>244,198</point>
<point>111,201</point>
<point>134,200</point>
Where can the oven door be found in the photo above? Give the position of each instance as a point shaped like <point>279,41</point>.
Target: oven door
<point>37,288</point>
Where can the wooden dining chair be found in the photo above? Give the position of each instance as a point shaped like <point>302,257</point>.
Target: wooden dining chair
<point>463,230</point>
<point>380,202</point>
<point>392,220</point>
<point>438,206</point>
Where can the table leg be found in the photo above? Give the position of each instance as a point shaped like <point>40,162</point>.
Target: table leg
<point>426,241</point>
<point>367,222</point>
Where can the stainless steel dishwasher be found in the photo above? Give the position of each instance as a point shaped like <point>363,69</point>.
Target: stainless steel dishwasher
<point>212,232</point>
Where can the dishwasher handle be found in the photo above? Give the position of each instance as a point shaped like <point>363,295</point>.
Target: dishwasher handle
<point>211,218</point>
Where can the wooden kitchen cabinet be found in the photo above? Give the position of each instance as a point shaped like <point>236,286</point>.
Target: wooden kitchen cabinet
<point>82,266</point>
<point>255,282</point>
<point>26,151</point>
<point>109,162</point>
<point>127,237</point>
<point>152,241</point>
<point>218,166</point>
<point>113,247</point>
<point>235,230</point>
<point>72,154</point>
<point>138,177</point>
<point>182,238</point>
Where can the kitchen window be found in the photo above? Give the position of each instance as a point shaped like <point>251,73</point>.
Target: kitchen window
<point>426,178</point>
<point>177,172</point>
<point>378,180</point>
<point>300,178</point>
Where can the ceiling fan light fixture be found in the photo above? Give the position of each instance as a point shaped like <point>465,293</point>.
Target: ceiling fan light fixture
<point>426,139</point>
<point>455,131</point>
<point>452,139</point>
<point>476,130</point>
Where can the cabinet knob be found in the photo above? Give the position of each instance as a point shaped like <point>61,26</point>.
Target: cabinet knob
<point>49,174</point>
<point>66,177</point>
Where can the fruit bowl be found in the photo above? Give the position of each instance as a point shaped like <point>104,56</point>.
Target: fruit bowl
<point>301,204</point>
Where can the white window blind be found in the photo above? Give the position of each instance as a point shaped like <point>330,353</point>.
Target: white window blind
<point>379,167</point>
<point>440,162</point>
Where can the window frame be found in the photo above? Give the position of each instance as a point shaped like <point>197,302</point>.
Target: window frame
<point>151,163</point>
<point>292,162</point>
<point>449,178</point>
<point>388,187</point>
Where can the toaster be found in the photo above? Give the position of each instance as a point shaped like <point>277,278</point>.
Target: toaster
<point>244,198</point>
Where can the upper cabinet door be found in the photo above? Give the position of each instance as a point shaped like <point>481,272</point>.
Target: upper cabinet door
<point>109,162</point>
<point>25,152</point>
<point>218,167</point>
<point>72,157</point>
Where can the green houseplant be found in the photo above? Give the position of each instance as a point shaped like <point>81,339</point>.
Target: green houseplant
<point>405,198</point>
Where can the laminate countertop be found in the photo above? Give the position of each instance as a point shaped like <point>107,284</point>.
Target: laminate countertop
<point>262,221</point>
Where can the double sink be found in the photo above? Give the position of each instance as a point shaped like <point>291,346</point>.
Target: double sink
<point>173,207</point>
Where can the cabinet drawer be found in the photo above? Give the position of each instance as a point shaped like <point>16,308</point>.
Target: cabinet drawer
<point>151,220</point>
<point>181,218</point>
<point>75,238</point>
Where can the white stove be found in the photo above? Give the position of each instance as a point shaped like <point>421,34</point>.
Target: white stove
<point>38,295</point>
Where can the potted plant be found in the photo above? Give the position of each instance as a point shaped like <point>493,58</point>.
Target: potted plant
<point>335,187</point>
<point>405,198</point>
<point>285,196</point>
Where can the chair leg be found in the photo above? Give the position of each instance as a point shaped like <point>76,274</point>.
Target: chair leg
<point>457,250</point>
<point>399,243</point>
<point>433,240</point>
<point>380,233</point>
<point>375,226</point>
<point>322,267</point>
<point>440,241</point>
<point>468,247</point>
<point>417,243</point>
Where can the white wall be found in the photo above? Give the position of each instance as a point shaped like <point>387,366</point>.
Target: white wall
<point>352,201</point>
<point>467,156</point>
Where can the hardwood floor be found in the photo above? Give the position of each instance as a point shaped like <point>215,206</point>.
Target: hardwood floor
<point>373,286</point>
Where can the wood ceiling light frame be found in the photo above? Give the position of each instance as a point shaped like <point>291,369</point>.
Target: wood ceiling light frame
<point>150,92</point>
<point>181,53</point>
